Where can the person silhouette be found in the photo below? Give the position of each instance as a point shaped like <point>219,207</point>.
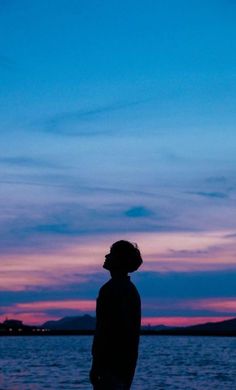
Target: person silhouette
<point>118,319</point>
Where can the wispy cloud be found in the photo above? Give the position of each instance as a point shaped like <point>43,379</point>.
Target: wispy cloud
<point>222,180</point>
<point>212,195</point>
<point>27,162</point>
<point>232,235</point>
<point>196,304</point>
<point>215,307</point>
<point>182,286</point>
<point>138,212</point>
<point>58,224</point>
<point>64,206</point>
<point>184,253</point>
<point>75,184</point>
<point>58,123</point>
<point>66,261</point>
<point>50,306</point>
<point>227,306</point>
<point>214,187</point>
<point>185,307</point>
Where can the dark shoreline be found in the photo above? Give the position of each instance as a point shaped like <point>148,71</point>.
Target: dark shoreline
<point>170,332</point>
<point>17,328</point>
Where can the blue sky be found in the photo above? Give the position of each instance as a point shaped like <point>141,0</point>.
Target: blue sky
<point>117,120</point>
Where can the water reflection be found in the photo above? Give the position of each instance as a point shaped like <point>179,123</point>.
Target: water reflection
<point>173,363</point>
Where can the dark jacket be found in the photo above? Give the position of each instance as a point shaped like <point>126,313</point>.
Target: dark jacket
<point>115,345</point>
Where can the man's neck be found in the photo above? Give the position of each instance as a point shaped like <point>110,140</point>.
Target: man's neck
<point>117,274</point>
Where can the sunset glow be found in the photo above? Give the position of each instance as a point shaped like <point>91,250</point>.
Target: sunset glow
<point>117,122</point>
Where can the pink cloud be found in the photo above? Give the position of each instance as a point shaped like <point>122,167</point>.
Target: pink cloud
<point>36,312</point>
<point>162,252</point>
<point>28,317</point>
<point>83,305</point>
<point>74,304</point>
<point>223,305</point>
<point>38,318</point>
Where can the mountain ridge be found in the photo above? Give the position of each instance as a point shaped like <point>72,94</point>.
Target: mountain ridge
<point>86,325</point>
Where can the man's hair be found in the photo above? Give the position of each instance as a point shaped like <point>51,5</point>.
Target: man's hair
<point>126,256</point>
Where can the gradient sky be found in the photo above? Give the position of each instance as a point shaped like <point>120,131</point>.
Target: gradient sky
<point>117,121</point>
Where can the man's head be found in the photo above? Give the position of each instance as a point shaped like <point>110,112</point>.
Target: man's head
<point>124,257</point>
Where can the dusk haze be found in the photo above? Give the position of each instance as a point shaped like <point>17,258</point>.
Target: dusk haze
<point>117,122</point>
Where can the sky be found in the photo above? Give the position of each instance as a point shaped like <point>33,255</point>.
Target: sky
<point>117,121</point>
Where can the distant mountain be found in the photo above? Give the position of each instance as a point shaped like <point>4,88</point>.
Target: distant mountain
<point>85,322</point>
<point>226,328</point>
<point>86,325</point>
<point>156,327</point>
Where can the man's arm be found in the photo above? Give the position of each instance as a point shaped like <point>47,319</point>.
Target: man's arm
<point>98,347</point>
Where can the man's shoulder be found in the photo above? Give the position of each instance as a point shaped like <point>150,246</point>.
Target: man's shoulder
<point>106,288</point>
<point>112,287</point>
<point>133,289</point>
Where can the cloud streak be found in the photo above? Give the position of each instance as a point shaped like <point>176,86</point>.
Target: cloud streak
<point>138,212</point>
<point>155,312</point>
<point>90,157</point>
<point>211,195</point>
<point>50,306</point>
<point>26,162</point>
<point>58,123</point>
<point>65,262</point>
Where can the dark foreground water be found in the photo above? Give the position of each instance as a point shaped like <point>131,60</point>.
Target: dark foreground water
<point>165,362</point>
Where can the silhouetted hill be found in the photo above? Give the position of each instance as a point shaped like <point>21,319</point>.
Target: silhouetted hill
<point>222,328</point>
<point>155,327</point>
<point>227,325</point>
<point>14,325</point>
<point>86,325</point>
<point>85,322</point>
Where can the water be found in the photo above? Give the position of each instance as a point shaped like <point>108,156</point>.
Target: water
<point>165,362</point>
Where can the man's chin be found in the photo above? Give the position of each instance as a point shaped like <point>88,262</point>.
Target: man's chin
<point>105,265</point>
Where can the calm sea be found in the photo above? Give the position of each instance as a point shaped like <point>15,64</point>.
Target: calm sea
<point>191,363</point>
